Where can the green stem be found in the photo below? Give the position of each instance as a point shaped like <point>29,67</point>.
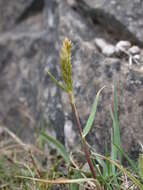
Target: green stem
<point>84,146</point>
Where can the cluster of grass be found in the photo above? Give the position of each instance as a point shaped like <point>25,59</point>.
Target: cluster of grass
<point>77,170</point>
<point>110,172</point>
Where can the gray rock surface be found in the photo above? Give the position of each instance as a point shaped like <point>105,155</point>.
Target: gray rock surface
<point>12,11</point>
<point>28,98</point>
<point>124,18</point>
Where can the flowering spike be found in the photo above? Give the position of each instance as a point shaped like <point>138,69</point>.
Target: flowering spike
<point>65,63</point>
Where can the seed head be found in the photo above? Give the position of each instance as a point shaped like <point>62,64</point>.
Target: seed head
<point>65,64</point>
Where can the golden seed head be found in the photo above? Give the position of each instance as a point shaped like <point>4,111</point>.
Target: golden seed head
<point>65,63</point>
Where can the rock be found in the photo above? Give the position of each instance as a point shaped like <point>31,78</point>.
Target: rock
<point>106,49</point>
<point>29,99</point>
<point>23,57</point>
<point>69,135</point>
<point>11,11</point>
<point>72,3</point>
<point>20,73</point>
<point>93,71</point>
<point>122,46</point>
<point>134,50</point>
<point>122,17</point>
<point>86,168</point>
<point>137,57</point>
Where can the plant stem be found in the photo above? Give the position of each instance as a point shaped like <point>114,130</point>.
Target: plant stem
<point>84,146</point>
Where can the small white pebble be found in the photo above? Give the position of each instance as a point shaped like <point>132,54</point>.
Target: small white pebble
<point>134,50</point>
<point>71,2</point>
<point>77,84</point>
<point>141,69</point>
<point>86,168</point>
<point>122,46</point>
<point>46,93</point>
<point>69,133</point>
<point>137,57</point>
<point>46,70</point>
<point>22,99</point>
<point>106,48</point>
<point>100,43</point>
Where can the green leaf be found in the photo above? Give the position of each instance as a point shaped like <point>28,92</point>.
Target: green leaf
<point>116,131</point>
<point>113,154</point>
<point>125,171</point>
<point>103,165</point>
<point>131,162</point>
<point>130,176</point>
<point>55,80</point>
<point>140,165</point>
<point>58,146</point>
<point>92,115</point>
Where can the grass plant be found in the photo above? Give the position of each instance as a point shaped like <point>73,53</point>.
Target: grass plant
<point>23,167</point>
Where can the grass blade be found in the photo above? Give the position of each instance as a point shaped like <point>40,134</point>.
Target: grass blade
<point>131,162</point>
<point>113,155</point>
<point>58,146</point>
<point>92,115</point>
<point>59,181</point>
<point>103,165</point>
<point>123,170</point>
<point>55,80</point>
<point>75,186</point>
<point>140,165</point>
<point>116,124</point>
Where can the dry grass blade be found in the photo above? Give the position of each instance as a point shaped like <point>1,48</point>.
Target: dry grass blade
<point>4,186</point>
<point>28,168</point>
<point>90,183</point>
<point>59,181</point>
<point>26,147</point>
<point>12,135</point>
<point>123,170</point>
